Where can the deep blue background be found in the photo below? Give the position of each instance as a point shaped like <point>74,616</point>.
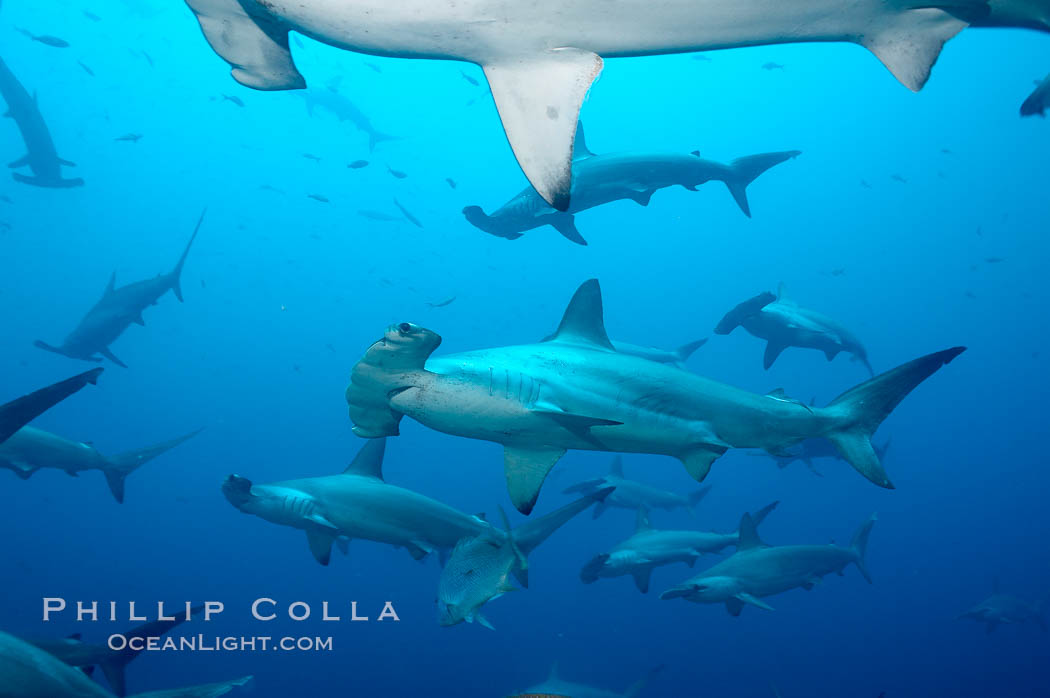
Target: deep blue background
<point>284,293</point>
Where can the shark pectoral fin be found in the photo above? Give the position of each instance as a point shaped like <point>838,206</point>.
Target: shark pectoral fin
<point>482,620</point>
<point>572,421</point>
<point>830,354</point>
<point>255,46</point>
<point>539,98</point>
<point>698,460</point>
<point>112,357</point>
<point>67,163</point>
<point>773,350</point>
<point>320,542</point>
<point>641,579</point>
<point>321,521</point>
<point>599,509</point>
<point>744,597</point>
<point>20,162</point>
<point>565,223</point>
<point>911,46</point>
<point>525,470</point>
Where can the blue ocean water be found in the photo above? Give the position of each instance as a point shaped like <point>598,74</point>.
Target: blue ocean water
<point>283,294</point>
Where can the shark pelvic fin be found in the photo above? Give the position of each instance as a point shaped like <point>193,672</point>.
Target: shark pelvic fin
<point>526,469</point>
<point>255,46</point>
<point>369,460</point>
<point>584,318</point>
<point>539,99</point>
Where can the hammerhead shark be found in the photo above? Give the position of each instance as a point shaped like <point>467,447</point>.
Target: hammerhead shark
<point>540,58</point>
<point>1004,609</point>
<point>600,179</point>
<point>557,687</point>
<point>31,449</point>
<point>117,310</point>
<point>574,390</point>
<point>783,323</point>
<point>86,655</point>
<point>21,411</point>
<point>26,670</point>
<point>757,570</point>
<point>41,155</point>
<point>631,494</point>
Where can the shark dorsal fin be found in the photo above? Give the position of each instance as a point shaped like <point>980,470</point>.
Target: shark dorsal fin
<point>641,522</point>
<point>616,468</point>
<point>748,537</point>
<point>695,153</point>
<point>583,321</point>
<point>369,460</point>
<point>580,149</point>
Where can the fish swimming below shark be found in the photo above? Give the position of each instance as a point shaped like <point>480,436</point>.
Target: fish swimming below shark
<point>41,155</point>
<point>541,58</point>
<point>602,179</point>
<point>31,449</point>
<point>21,411</point>
<point>757,570</point>
<point>631,494</point>
<point>649,548</point>
<point>783,323</point>
<point>554,686</point>
<point>117,310</point>
<point>575,391</point>
<point>27,671</point>
<point>479,569</point>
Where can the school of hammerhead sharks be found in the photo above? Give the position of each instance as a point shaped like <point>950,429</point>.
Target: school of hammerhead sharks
<point>574,389</point>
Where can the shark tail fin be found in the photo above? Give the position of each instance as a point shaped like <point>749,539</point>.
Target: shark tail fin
<point>686,350</point>
<point>113,666</point>
<point>636,688</point>
<point>122,465</point>
<point>529,535</point>
<point>745,170</point>
<point>176,273</point>
<point>859,545</point>
<point>698,494</point>
<point>863,408</point>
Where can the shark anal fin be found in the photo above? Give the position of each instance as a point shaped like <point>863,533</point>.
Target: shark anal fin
<point>526,469</point>
<point>539,98</point>
<point>256,47</point>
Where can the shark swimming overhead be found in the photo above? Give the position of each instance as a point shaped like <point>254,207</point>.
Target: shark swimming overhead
<point>357,503</point>
<point>757,570</point>
<point>16,414</point>
<point>342,108</point>
<point>650,548</point>
<point>117,310</point>
<point>601,179</point>
<point>631,494</point>
<point>783,323</point>
<point>41,155</point>
<point>29,672</point>
<point>31,449</point>
<point>1002,609</point>
<point>479,569</point>
<point>556,686</point>
<point>575,391</point>
<point>540,58</point>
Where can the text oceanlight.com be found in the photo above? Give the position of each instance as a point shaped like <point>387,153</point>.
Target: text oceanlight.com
<point>202,643</point>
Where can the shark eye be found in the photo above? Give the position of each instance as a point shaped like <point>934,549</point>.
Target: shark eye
<point>404,328</point>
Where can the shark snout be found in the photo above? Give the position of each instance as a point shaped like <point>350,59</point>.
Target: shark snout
<point>238,490</point>
<point>592,570</point>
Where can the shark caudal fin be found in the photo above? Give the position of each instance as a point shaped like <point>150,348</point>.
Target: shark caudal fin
<point>759,516</point>
<point>636,688</point>
<point>735,317</point>
<point>743,171</point>
<point>686,350</point>
<point>176,273</point>
<point>113,666</point>
<point>122,465</point>
<point>863,408</point>
<point>207,690</point>
<point>16,414</point>
<point>859,546</point>
<point>254,44</point>
<point>529,535</point>
<point>910,44</point>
